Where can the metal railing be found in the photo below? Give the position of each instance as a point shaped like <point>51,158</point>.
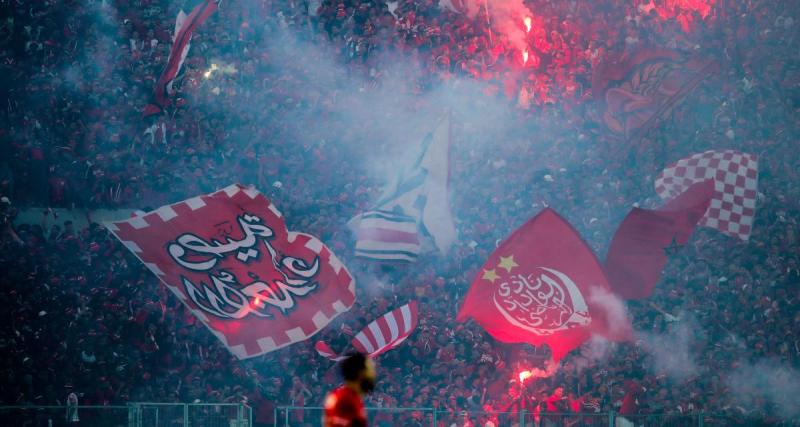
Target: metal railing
<point>286,416</point>
<point>154,414</point>
<point>380,417</point>
<point>139,414</point>
<point>58,416</point>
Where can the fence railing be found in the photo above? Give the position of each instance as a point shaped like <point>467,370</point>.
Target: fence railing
<point>58,416</point>
<point>139,414</point>
<point>286,416</point>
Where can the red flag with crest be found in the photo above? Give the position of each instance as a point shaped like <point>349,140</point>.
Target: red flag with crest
<point>636,91</point>
<point>544,285</point>
<point>230,259</point>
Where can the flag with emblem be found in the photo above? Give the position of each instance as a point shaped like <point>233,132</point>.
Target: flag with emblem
<point>543,285</point>
<point>637,90</point>
<point>414,205</point>
<point>647,238</point>
<point>735,176</point>
<point>380,336</point>
<point>230,259</point>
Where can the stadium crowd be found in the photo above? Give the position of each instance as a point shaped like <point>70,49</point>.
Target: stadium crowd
<point>79,312</point>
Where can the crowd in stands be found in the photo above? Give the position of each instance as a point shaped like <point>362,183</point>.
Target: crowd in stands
<point>79,311</point>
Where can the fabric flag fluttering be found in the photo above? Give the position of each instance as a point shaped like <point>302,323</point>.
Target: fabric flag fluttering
<point>735,176</point>
<point>383,334</point>
<point>230,259</point>
<point>185,25</point>
<point>636,91</point>
<point>415,203</point>
<point>325,351</point>
<point>387,236</point>
<point>640,247</point>
<point>543,285</point>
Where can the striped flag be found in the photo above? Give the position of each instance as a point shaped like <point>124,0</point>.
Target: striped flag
<point>416,202</point>
<point>389,331</point>
<point>185,25</point>
<point>383,334</point>
<point>387,236</point>
<point>325,351</point>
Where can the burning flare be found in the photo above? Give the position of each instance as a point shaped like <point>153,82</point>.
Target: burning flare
<point>527,20</point>
<point>524,375</point>
<point>207,74</point>
<point>525,56</point>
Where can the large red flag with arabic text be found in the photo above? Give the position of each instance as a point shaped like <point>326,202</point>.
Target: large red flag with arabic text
<point>644,240</point>
<point>544,285</point>
<point>230,259</point>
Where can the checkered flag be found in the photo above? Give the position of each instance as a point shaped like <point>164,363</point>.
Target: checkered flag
<point>735,176</point>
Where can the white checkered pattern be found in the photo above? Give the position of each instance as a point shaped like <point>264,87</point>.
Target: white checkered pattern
<point>735,176</point>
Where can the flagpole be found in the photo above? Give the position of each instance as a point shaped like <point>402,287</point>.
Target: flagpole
<point>488,21</point>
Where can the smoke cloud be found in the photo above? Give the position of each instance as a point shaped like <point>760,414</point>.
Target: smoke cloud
<point>671,353</point>
<point>614,308</point>
<point>779,385</point>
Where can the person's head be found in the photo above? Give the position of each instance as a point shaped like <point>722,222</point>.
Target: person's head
<point>358,370</point>
<point>559,391</point>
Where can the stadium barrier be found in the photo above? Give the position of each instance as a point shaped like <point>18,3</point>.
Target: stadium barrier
<point>139,414</point>
<point>288,416</point>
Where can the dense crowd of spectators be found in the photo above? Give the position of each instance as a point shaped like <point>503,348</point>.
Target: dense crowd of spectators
<point>80,311</point>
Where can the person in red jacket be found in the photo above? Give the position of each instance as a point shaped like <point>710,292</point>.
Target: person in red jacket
<point>344,407</point>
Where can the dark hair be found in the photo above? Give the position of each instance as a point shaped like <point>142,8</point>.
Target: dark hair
<point>352,366</point>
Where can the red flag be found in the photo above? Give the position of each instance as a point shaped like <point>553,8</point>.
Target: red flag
<point>639,250</point>
<point>543,285</point>
<point>324,350</point>
<point>180,47</point>
<point>637,90</point>
<point>735,176</point>
<point>230,258</point>
<point>383,334</point>
<point>388,331</point>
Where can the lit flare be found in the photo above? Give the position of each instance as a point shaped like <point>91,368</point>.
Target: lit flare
<point>207,74</point>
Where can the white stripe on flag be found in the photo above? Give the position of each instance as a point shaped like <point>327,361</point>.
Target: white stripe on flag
<point>372,245</point>
<point>362,338</point>
<point>377,334</point>
<point>406,318</point>
<point>392,321</point>
<point>387,256</point>
<point>380,223</point>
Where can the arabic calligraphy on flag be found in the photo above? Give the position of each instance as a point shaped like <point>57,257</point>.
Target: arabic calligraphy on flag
<point>543,285</point>
<point>230,259</point>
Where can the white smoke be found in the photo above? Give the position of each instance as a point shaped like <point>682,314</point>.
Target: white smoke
<point>615,310</point>
<point>671,352</point>
<point>596,351</point>
<point>777,384</point>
